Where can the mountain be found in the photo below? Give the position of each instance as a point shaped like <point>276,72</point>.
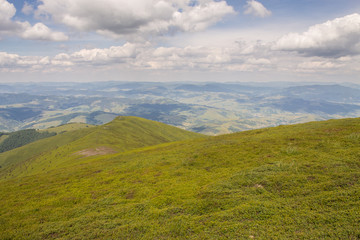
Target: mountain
<point>122,134</point>
<point>21,138</point>
<point>9,141</point>
<point>298,105</point>
<point>208,108</point>
<point>331,93</point>
<point>287,182</point>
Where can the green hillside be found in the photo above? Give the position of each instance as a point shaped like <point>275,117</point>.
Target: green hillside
<point>69,148</point>
<point>288,182</point>
<point>13,140</point>
<point>67,127</point>
<point>21,138</point>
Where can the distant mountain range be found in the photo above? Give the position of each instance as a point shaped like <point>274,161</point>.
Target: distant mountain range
<point>209,108</point>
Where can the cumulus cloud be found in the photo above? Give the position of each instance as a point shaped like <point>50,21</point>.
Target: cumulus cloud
<point>107,55</point>
<point>25,30</point>
<point>141,57</point>
<point>336,38</point>
<point>7,11</point>
<point>256,9</point>
<point>41,32</point>
<point>7,59</point>
<point>27,9</point>
<point>136,17</point>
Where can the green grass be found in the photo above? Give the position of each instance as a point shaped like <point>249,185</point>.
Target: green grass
<point>21,138</point>
<point>122,134</point>
<point>33,150</point>
<point>288,182</point>
<point>67,127</point>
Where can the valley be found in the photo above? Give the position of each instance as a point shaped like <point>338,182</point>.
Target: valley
<point>207,108</point>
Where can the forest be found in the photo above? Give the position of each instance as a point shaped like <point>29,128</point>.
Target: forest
<point>21,138</point>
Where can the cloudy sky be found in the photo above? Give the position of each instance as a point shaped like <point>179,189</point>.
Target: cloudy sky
<point>180,40</point>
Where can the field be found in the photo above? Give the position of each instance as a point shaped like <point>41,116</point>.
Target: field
<point>288,182</point>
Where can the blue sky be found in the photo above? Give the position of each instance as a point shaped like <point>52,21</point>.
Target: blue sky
<point>180,40</point>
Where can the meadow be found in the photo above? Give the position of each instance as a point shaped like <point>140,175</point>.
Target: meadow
<point>288,182</point>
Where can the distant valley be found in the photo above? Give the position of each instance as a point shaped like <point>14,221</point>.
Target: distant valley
<point>208,108</point>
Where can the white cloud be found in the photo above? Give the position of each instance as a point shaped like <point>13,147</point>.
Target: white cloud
<point>145,56</point>
<point>7,10</point>
<point>27,9</point>
<point>39,31</point>
<point>244,57</point>
<point>134,18</point>
<point>336,38</point>
<point>256,8</point>
<point>7,60</point>
<point>106,56</point>
<point>314,66</point>
<point>200,17</point>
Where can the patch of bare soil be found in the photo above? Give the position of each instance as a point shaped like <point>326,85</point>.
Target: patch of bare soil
<point>96,151</point>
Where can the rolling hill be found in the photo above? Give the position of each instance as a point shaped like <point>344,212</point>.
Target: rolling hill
<point>123,133</point>
<point>288,182</point>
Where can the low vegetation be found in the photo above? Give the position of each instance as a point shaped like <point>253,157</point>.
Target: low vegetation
<point>67,128</point>
<point>288,182</point>
<point>21,138</point>
<point>122,134</point>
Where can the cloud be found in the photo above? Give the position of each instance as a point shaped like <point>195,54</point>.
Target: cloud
<point>201,17</point>
<point>141,56</point>
<point>27,9</point>
<point>133,18</point>
<point>256,9</point>
<point>332,39</point>
<point>41,32</point>
<point>254,57</point>
<point>7,11</point>
<point>7,60</point>
<point>315,66</point>
<point>25,30</point>
<point>105,56</point>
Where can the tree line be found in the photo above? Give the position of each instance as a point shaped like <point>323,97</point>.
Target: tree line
<point>21,138</point>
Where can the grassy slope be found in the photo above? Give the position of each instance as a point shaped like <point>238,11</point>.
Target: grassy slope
<point>289,182</point>
<point>35,149</point>
<point>123,133</point>
<point>67,127</point>
<point>58,130</point>
<point>3,137</point>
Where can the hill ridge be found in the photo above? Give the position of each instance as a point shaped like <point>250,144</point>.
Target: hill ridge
<point>287,182</point>
<point>121,134</point>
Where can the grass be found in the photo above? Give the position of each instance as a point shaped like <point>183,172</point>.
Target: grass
<point>67,127</point>
<point>124,133</point>
<point>288,182</point>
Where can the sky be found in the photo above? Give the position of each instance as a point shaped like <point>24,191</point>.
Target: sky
<point>180,40</point>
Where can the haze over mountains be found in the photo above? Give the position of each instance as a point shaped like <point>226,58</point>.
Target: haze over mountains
<point>209,108</point>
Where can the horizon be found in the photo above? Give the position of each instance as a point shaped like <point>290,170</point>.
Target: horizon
<point>244,83</point>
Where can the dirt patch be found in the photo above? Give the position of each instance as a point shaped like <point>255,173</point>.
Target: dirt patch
<point>96,151</point>
<point>333,130</point>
